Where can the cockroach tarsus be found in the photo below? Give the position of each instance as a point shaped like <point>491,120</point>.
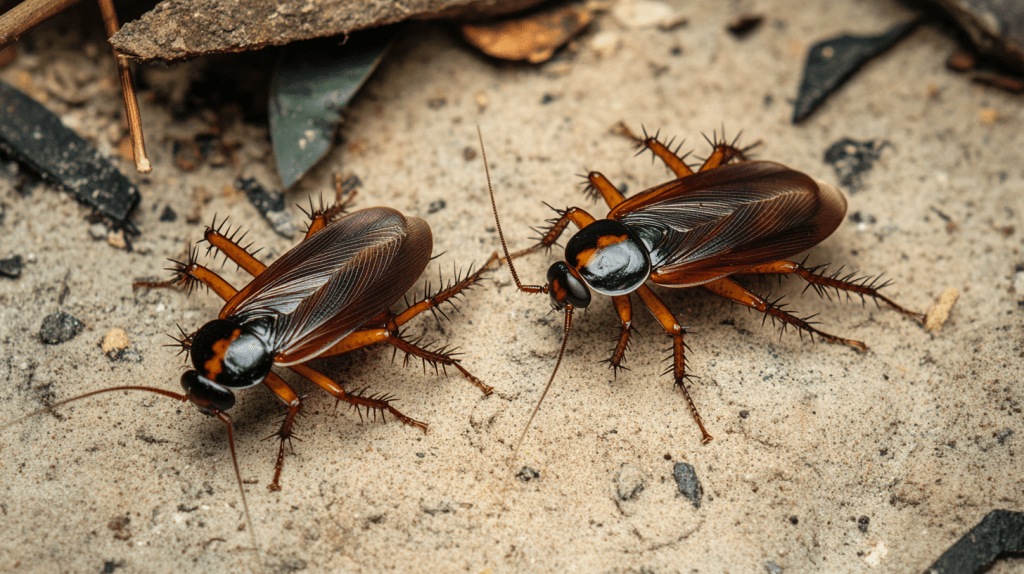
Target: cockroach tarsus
<point>732,217</point>
<point>328,295</point>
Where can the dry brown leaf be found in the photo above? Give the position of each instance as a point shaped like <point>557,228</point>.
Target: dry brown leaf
<point>533,38</point>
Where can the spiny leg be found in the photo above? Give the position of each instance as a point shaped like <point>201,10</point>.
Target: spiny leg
<point>733,291</point>
<point>598,184</point>
<point>388,325</point>
<point>624,309</point>
<point>282,391</point>
<point>225,243</point>
<point>657,308</point>
<point>322,216</point>
<point>722,152</point>
<point>375,404</point>
<point>820,283</point>
<point>671,158</point>
<point>186,274</point>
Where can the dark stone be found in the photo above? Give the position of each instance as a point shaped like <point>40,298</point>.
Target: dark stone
<point>831,62</point>
<point>862,523</point>
<point>436,206</point>
<point>1000,532</point>
<point>688,483</point>
<point>168,214</point>
<point>526,474</point>
<point>742,27</point>
<point>269,203</point>
<point>35,137</point>
<point>794,520</point>
<point>744,414</point>
<point>852,159</point>
<point>11,267</point>
<point>59,327</point>
<point>126,355</point>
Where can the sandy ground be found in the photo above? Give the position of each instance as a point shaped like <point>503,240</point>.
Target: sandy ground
<point>825,459</point>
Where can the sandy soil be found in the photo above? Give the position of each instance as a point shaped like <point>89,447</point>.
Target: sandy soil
<point>825,459</point>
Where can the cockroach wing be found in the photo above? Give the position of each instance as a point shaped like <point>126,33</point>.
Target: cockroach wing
<point>729,219</point>
<point>336,281</point>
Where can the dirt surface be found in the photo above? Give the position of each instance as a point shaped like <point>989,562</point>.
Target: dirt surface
<point>825,459</point>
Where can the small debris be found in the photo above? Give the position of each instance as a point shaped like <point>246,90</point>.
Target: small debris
<point>794,520</point>
<point>34,136</point>
<point>526,474</point>
<point>533,37</point>
<point>168,214</point>
<point>744,414</point>
<point>115,340</point>
<point>1000,532</point>
<point>961,61</point>
<point>1003,435</point>
<point>988,116</point>
<point>772,567</point>
<point>270,204</point>
<point>11,267</point>
<point>939,313</point>
<point>744,25</point>
<point>688,483</point>
<point>851,159</point>
<point>98,231</point>
<point>436,206</point>
<point>116,238</point>
<point>59,328</point>
<point>862,523</point>
<point>469,153</point>
<point>636,14</point>
<point>831,62</point>
<point>605,43</point>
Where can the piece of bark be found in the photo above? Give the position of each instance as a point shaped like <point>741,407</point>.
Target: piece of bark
<point>181,29</point>
<point>533,37</point>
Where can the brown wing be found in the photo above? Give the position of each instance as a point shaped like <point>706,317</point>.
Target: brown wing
<point>731,218</point>
<point>335,281</point>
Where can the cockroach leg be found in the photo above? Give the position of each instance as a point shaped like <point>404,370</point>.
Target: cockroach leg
<point>321,217</point>
<point>187,274</point>
<point>232,250</point>
<point>572,215</point>
<point>282,391</point>
<point>822,282</point>
<point>624,309</point>
<point>372,403</point>
<point>600,184</point>
<point>445,295</point>
<point>438,357</point>
<point>671,158</point>
<point>733,291</point>
<point>722,152</point>
<point>672,327</point>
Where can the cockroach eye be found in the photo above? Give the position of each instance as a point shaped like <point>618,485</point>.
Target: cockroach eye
<point>209,397</point>
<point>566,287</point>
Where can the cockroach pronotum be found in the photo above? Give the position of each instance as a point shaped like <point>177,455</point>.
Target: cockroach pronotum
<point>732,217</point>
<point>328,295</point>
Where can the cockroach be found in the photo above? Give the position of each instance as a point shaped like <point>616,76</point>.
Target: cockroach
<point>732,217</point>
<point>328,295</point>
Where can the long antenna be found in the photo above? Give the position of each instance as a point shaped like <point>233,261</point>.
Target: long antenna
<point>504,246</point>
<point>561,353</point>
<point>223,417</point>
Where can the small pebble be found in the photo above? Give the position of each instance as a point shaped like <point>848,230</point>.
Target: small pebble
<point>58,328</point>
<point>114,340</point>
<point>526,474</point>
<point>938,314</point>
<point>11,267</point>
<point>97,231</point>
<point>116,238</point>
<point>688,483</point>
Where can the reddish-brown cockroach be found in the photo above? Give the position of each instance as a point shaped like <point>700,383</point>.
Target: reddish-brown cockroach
<point>328,295</point>
<point>732,217</point>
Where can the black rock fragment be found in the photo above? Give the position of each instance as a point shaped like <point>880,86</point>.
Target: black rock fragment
<point>1000,532</point>
<point>831,62</point>
<point>11,267</point>
<point>688,483</point>
<point>526,474</point>
<point>35,137</point>
<point>852,159</point>
<point>59,327</point>
<point>270,204</point>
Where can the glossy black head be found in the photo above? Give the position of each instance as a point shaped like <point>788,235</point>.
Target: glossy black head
<point>566,287</point>
<point>227,355</point>
<point>609,256</point>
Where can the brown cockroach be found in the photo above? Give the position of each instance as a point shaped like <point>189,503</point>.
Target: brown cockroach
<point>328,295</point>
<point>733,217</point>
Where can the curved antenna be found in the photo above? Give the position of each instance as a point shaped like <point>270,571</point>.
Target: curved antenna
<point>504,246</point>
<point>561,353</point>
<point>223,417</point>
